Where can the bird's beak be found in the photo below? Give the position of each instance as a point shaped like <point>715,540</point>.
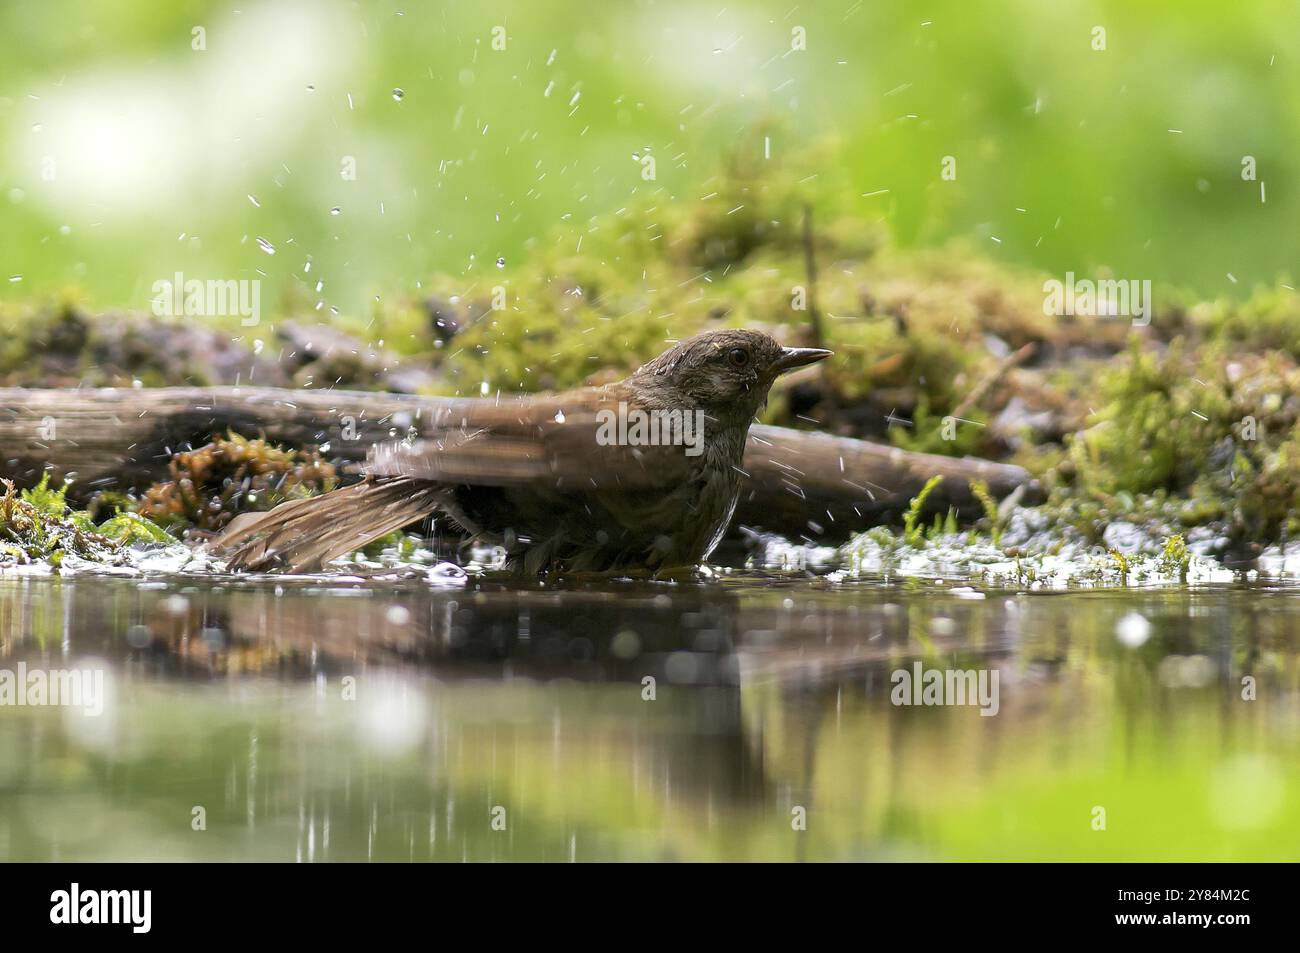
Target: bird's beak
<point>792,357</point>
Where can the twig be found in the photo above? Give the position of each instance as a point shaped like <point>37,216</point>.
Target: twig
<point>810,269</point>
<point>983,387</point>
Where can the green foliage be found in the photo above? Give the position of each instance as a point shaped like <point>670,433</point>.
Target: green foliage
<point>1121,561</point>
<point>35,525</point>
<point>913,532</point>
<point>131,528</point>
<point>992,518</point>
<point>47,502</point>
<point>1174,558</point>
<point>38,525</point>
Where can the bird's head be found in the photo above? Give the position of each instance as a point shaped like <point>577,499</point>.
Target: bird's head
<point>727,373</point>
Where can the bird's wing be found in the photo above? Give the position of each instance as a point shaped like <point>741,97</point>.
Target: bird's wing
<point>552,442</point>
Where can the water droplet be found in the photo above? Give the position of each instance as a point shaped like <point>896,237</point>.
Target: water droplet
<point>14,279</point>
<point>398,93</point>
<point>501,262</point>
<point>335,210</point>
<point>559,416</point>
<point>265,245</point>
<point>311,87</point>
<point>253,199</point>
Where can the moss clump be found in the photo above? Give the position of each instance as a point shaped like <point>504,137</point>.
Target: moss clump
<point>1269,320</point>
<point>61,343</point>
<point>37,525</point>
<point>605,294</point>
<point>232,474</point>
<point>130,528</point>
<point>1153,429</point>
<point>1214,433</point>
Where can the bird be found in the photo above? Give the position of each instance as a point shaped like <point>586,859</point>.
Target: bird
<point>642,474</point>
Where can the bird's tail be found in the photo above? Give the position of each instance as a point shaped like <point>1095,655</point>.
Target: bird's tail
<point>303,535</point>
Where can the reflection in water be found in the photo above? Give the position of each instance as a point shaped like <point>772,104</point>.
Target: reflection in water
<point>331,721</point>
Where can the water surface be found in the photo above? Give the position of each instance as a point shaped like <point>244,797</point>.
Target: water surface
<point>334,720</point>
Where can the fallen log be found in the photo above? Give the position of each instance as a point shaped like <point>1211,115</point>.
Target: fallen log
<point>802,484</point>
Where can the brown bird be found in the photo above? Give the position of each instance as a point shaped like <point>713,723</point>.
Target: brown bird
<point>639,474</point>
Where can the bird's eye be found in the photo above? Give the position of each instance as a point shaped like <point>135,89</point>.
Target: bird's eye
<point>737,357</point>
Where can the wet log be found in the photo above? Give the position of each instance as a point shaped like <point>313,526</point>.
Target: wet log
<point>801,484</point>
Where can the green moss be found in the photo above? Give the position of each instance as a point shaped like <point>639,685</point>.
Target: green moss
<point>1175,558</point>
<point>404,545</point>
<point>912,529</point>
<point>35,525</point>
<point>232,474</point>
<point>1213,431</point>
<point>992,518</point>
<point>131,528</point>
<point>1157,425</point>
<point>45,500</point>
<point>1269,320</point>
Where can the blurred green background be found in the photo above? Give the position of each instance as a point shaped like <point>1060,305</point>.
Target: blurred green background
<point>128,155</point>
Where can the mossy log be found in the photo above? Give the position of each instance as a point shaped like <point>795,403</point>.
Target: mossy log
<point>801,484</point>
